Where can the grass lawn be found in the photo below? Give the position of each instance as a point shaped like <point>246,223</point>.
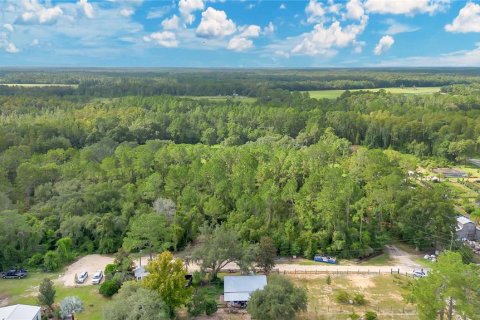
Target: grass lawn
<point>383,294</point>
<point>248,100</point>
<point>25,291</point>
<point>333,94</point>
<point>38,85</point>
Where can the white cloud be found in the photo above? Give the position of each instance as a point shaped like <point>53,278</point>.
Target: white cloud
<point>127,12</point>
<point>358,46</point>
<point>158,12</point>
<point>315,11</point>
<point>8,26</point>
<point>34,43</point>
<point>269,29</point>
<point>323,40</point>
<point>35,13</point>
<point>87,8</point>
<point>239,44</point>
<point>355,10</point>
<point>215,23</point>
<point>407,7</point>
<point>385,43</point>
<point>283,6</point>
<point>165,39</point>
<point>395,27</point>
<point>172,23</point>
<point>468,19</point>
<point>187,7</point>
<point>250,31</point>
<point>11,48</point>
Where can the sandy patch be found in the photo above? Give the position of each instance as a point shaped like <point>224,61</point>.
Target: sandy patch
<point>3,301</point>
<point>361,281</point>
<point>90,263</point>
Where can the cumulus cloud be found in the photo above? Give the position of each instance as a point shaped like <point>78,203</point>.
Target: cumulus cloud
<point>407,7</point>
<point>215,23</point>
<point>355,10</point>
<point>172,23</point>
<point>323,40</point>
<point>35,13</point>
<point>242,41</point>
<point>269,29</point>
<point>8,26</point>
<point>385,43</point>
<point>11,48</point>
<point>187,7</point>
<point>158,12</point>
<point>87,8</point>
<point>315,11</point>
<point>283,6</point>
<point>165,39</point>
<point>127,12</point>
<point>468,19</point>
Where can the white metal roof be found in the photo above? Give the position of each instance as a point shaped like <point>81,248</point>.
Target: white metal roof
<point>463,220</point>
<point>19,312</point>
<point>239,288</point>
<point>140,272</point>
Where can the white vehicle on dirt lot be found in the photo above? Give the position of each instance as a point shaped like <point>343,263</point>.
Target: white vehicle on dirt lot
<point>97,277</point>
<point>419,274</point>
<point>82,277</point>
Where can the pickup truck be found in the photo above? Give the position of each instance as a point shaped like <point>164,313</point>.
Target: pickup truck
<point>14,274</point>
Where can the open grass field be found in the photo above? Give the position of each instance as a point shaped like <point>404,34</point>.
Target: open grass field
<point>333,94</point>
<point>383,294</point>
<point>38,85</point>
<point>248,100</point>
<point>25,291</point>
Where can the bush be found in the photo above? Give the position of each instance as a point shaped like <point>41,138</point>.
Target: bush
<point>342,296</point>
<point>210,307</point>
<point>197,278</point>
<point>110,270</point>
<point>196,306</point>
<point>109,288</point>
<point>353,316</point>
<point>370,315</point>
<point>329,280</point>
<point>359,299</point>
<point>36,260</point>
<point>51,261</point>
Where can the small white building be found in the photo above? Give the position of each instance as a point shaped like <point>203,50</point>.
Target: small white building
<point>466,229</point>
<point>139,273</point>
<point>237,289</point>
<point>20,312</point>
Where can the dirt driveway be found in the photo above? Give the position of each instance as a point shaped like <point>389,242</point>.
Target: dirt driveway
<point>90,263</point>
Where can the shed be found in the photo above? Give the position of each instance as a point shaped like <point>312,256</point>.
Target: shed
<point>239,288</point>
<point>20,312</point>
<point>140,273</point>
<point>465,229</point>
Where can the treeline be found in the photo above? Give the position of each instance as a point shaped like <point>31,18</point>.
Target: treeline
<point>252,83</point>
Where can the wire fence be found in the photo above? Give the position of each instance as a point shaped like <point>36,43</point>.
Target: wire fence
<point>407,311</point>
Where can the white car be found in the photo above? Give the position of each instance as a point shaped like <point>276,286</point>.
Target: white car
<point>97,277</point>
<point>419,274</point>
<point>82,277</point>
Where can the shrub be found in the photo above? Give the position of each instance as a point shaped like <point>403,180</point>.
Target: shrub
<point>109,288</point>
<point>197,278</point>
<point>359,299</point>
<point>110,270</point>
<point>342,296</point>
<point>196,306</point>
<point>329,280</point>
<point>210,307</point>
<point>353,316</point>
<point>51,261</point>
<point>36,260</point>
<point>370,315</point>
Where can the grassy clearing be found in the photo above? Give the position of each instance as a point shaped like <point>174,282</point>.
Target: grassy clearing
<point>247,100</point>
<point>26,290</point>
<point>333,94</point>
<point>383,294</point>
<point>38,85</point>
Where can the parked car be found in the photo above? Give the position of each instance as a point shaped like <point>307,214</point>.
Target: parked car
<point>97,277</point>
<point>419,274</point>
<point>82,277</point>
<point>325,259</point>
<point>14,274</point>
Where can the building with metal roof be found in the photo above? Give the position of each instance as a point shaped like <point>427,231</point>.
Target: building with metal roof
<point>20,312</point>
<point>239,288</point>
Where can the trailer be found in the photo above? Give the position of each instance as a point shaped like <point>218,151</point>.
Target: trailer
<point>325,259</point>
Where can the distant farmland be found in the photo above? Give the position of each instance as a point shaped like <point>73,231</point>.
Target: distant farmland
<point>38,85</point>
<point>333,94</point>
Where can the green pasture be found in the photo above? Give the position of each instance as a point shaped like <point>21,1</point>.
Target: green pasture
<point>333,94</point>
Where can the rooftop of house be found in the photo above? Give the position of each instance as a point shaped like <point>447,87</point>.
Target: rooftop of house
<point>19,312</point>
<point>239,288</point>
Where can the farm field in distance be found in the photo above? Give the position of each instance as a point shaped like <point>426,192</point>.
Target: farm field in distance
<point>39,85</point>
<point>333,94</point>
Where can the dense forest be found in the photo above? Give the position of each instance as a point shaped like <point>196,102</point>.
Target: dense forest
<point>82,166</point>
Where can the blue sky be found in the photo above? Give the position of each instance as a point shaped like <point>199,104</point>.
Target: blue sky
<point>200,33</point>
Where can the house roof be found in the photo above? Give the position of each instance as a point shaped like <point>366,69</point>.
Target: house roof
<point>19,312</point>
<point>239,288</point>
<point>463,220</point>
